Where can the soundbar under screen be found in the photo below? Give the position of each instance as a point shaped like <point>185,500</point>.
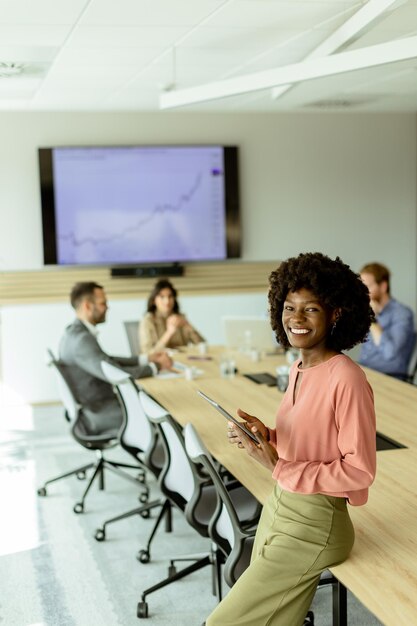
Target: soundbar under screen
<point>136,204</point>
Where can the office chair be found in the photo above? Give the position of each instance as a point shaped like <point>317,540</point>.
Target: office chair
<point>193,493</point>
<point>412,365</point>
<point>233,538</point>
<point>132,333</point>
<point>139,438</point>
<point>98,443</point>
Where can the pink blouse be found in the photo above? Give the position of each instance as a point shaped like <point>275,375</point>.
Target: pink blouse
<point>326,439</point>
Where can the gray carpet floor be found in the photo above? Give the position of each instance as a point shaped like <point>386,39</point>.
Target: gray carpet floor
<point>52,570</point>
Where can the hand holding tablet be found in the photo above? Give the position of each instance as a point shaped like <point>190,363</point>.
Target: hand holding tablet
<point>229,417</point>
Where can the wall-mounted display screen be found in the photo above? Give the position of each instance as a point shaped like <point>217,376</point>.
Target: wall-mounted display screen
<point>139,204</point>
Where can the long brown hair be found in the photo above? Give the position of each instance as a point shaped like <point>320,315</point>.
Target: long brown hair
<point>158,287</point>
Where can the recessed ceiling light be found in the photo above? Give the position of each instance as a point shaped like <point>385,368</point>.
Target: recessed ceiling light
<point>8,70</point>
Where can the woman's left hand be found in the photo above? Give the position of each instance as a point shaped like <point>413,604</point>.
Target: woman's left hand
<point>263,452</point>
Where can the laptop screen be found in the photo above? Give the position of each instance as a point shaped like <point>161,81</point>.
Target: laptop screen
<point>247,331</point>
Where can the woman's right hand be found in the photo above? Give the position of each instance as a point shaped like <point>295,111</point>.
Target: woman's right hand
<point>233,431</point>
<point>264,452</point>
<point>174,322</point>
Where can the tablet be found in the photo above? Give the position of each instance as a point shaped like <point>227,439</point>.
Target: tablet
<point>262,378</point>
<point>227,415</point>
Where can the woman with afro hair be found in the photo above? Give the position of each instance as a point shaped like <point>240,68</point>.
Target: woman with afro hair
<point>322,451</point>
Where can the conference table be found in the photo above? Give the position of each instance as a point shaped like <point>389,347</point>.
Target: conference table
<point>382,568</point>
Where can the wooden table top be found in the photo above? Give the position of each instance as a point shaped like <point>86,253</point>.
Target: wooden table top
<point>382,569</point>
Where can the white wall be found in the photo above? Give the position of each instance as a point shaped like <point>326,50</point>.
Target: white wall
<point>343,184</point>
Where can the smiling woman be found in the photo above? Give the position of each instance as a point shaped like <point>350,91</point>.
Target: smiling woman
<point>321,453</point>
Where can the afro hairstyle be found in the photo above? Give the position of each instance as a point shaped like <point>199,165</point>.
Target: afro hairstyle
<point>334,284</point>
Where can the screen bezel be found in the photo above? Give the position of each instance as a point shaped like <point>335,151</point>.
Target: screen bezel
<point>232,204</point>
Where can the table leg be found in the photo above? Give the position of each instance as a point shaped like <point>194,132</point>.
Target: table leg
<point>339,594</point>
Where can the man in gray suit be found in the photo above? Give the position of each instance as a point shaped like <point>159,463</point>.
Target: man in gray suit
<point>81,355</point>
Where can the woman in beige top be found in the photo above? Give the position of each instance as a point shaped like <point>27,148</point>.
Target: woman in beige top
<point>163,325</point>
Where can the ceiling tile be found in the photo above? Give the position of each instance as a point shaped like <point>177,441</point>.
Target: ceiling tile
<point>101,77</point>
<point>144,99</point>
<point>67,95</point>
<point>400,19</point>
<point>99,54</point>
<point>293,51</point>
<point>125,36</point>
<point>40,11</point>
<point>38,35</point>
<point>18,88</point>
<point>27,54</point>
<point>158,76</point>
<point>287,15</point>
<point>149,12</point>
<point>256,39</point>
<point>399,23</point>
<point>395,82</point>
<point>110,56</point>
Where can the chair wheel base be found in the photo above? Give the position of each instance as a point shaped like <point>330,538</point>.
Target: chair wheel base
<point>172,570</point>
<point>42,491</point>
<point>100,534</point>
<point>144,556</point>
<point>142,609</point>
<point>145,514</point>
<point>144,497</point>
<point>78,508</point>
<point>309,619</point>
<point>81,475</point>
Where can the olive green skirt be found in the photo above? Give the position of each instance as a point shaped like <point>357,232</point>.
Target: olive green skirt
<point>298,537</point>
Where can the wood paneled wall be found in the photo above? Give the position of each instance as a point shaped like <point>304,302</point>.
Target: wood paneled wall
<point>54,284</point>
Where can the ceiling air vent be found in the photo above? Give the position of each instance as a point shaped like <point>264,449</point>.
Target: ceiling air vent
<point>339,104</point>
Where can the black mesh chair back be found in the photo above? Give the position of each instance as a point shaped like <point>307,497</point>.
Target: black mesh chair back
<point>187,490</point>
<point>79,430</point>
<point>71,406</point>
<point>179,480</point>
<point>191,489</point>
<point>138,435</point>
<point>227,528</point>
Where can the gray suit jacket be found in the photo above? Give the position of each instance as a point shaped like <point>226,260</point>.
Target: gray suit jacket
<point>81,353</point>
